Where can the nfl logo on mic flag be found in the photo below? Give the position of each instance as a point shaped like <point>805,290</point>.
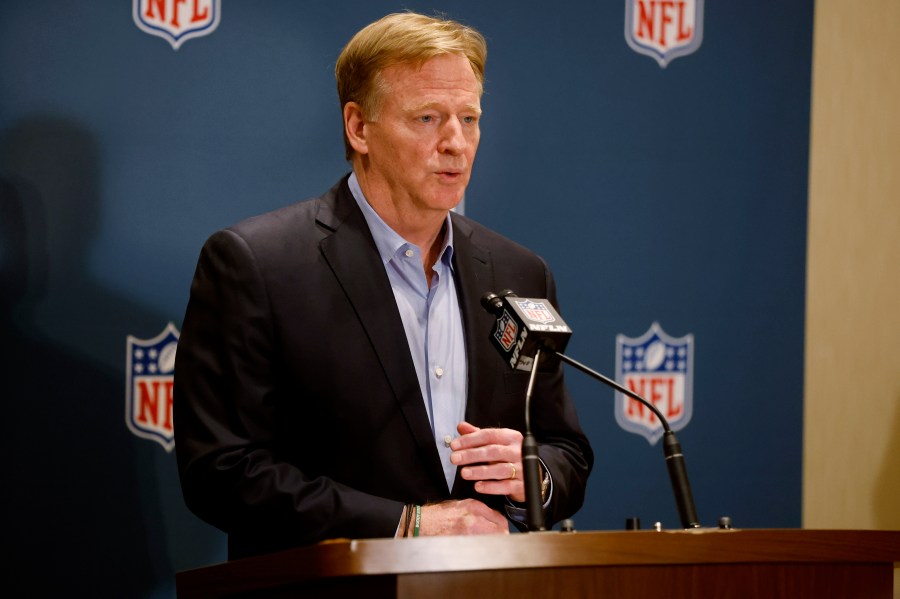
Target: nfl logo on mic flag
<point>150,377</point>
<point>506,331</point>
<point>177,21</point>
<point>664,29</point>
<point>660,369</point>
<point>535,310</point>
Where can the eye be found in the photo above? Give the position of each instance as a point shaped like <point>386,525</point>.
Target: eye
<point>426,118</point>
<point>470,119</point>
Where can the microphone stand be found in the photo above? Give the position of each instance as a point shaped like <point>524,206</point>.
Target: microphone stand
<point>531,464</point>
<point>681,487</point>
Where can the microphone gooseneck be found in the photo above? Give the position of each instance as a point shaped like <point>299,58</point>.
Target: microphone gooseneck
<point>681,487</point>
<point>531,463</point>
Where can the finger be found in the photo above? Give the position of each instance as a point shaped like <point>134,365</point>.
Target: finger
<point>499,521</point>
<point>495,471</point>
<point>486,436</point>
<point>514,489</point>
<point>486,455</point>
<point>464,428</point>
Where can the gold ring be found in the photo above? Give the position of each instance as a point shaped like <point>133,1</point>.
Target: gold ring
<point>513,477</point>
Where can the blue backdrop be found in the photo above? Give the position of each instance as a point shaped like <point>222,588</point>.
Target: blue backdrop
<point>675,195</point>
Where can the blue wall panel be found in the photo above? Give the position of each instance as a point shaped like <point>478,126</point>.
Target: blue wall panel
<point>675,195</point>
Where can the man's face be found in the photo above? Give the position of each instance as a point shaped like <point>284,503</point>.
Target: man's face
<point>421,147</point>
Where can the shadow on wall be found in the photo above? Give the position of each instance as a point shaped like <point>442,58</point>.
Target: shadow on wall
<point>886,499</point>
<point>80,494</point>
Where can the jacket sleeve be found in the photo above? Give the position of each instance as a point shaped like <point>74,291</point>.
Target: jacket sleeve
<point>564,448</point>
<point>225,391</point>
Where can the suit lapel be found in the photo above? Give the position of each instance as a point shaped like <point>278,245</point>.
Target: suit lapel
<point>475,276</point>
<point>351,253</point>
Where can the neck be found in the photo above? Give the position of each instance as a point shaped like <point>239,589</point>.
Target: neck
<point>421,227</point>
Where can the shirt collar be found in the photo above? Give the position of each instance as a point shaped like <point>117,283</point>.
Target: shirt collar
<point>388,241</point>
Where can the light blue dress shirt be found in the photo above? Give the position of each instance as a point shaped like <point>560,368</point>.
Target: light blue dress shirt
<point>432,321</point>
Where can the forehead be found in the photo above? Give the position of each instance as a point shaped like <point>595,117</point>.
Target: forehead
<point>445,77</point>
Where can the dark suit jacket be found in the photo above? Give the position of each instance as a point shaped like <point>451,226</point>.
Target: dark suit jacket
<point>298,414</point>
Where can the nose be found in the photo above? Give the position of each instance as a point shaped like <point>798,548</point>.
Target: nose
<point>453,141</point>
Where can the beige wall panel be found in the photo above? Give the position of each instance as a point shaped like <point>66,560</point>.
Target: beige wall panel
<point>852,372</point>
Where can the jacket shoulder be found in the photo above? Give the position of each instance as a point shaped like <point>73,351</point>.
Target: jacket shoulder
<point>501,248</point>
<point>293,219</point>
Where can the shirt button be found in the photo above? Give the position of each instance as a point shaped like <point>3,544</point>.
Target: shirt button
<point>447,439</point>
<point>439,372</point>
<point>409,253</point>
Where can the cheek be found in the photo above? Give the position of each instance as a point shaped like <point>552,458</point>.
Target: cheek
<point>412,149</point>
<point>473,142</point>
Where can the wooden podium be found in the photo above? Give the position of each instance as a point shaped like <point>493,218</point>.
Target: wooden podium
<point>680,564</point>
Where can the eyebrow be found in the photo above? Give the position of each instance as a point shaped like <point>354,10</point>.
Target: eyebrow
<point>430,105</point>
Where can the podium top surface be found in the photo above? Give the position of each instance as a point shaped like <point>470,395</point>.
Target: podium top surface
<point>342,558</point>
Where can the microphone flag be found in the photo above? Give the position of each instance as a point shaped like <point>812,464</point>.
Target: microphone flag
<point>525,324</point>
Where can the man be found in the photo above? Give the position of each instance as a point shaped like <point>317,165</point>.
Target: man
<point>334,376</point>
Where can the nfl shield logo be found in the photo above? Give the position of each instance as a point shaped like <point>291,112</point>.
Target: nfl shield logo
<point>664,29</point>
<point>506,331</point>
<point>660,369</point>
<point>535,310</point>
<point>150,374</point>
<point>177,21</point>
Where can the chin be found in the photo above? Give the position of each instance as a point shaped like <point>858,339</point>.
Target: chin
<point>449,203</point>
<point>443,198</point>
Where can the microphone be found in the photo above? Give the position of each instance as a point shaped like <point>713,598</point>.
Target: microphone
<point>523,326</point>
<point>527,326</point>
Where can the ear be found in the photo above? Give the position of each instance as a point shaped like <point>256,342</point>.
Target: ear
<point>355,127</point>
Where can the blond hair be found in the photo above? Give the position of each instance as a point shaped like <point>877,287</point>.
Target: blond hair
<point>400,38</point>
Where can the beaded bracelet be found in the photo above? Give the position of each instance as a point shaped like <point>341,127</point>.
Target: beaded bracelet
<point>418,520</point>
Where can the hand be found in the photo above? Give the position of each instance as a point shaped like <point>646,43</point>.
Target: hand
<point>492,457</point>
<point>464,517</point>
